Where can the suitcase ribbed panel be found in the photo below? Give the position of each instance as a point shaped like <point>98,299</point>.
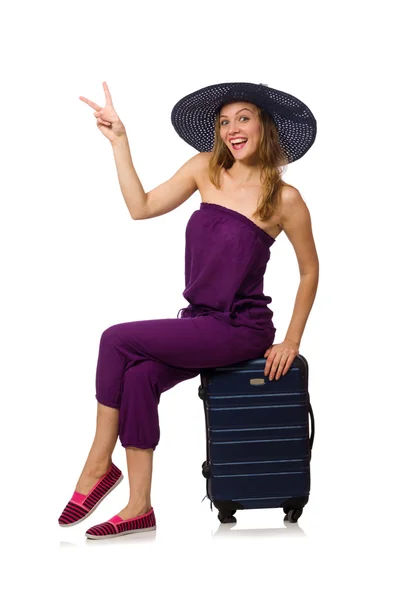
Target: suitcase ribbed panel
<point>257,434</point>
<point>289,414</point>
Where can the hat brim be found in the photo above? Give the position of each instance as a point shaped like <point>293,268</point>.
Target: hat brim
<point>193,117</point>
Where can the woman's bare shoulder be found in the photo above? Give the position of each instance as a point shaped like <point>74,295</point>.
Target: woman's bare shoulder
<point>204,157</point>
<point>292,202</point>
<point>201,166</point>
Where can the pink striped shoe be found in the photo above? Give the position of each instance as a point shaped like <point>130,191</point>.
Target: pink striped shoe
<point>80,506</point>
<point>117,526</point>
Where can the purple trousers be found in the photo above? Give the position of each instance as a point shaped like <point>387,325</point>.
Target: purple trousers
<point>139,360</point>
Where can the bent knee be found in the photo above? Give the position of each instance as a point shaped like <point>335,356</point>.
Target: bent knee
<point>113,333</point>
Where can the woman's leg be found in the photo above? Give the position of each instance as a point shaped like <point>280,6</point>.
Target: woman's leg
<point>100,456</point>
<point>140,469</point>
<point>140,360</point>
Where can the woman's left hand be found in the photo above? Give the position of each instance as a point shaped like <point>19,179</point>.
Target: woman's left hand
<point>279,358</point>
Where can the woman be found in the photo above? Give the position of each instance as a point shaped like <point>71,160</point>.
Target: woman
<point>245,205</point>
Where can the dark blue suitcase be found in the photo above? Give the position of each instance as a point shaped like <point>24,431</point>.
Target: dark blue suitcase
<point>258,443</point>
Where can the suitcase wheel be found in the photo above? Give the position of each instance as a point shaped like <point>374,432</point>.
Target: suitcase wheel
<point>293,515</point>
<point>227,517</point>
<point>205,470</point>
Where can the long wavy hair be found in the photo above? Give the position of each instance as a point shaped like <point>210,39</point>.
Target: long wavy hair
<point>272,160</point>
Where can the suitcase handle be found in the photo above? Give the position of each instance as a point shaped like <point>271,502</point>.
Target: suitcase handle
<point>312,426</point>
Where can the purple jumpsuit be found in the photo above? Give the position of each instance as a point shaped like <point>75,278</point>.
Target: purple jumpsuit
<point>227,321</point>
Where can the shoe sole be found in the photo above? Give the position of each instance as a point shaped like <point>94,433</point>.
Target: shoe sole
<point>94,507</point>
<point>113,535</point>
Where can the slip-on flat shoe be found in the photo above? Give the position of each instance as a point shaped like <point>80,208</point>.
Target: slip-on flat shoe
<point>117,526</point>
<point>80,506</point>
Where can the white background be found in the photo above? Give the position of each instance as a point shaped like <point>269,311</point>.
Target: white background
<point>74,263</point>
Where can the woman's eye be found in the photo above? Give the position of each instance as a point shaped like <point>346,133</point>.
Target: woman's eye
<point>242,117</point>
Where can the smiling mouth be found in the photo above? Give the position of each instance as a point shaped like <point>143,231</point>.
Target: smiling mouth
<point>239,145</point>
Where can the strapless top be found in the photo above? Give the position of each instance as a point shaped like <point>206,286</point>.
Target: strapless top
<point>226,256</point>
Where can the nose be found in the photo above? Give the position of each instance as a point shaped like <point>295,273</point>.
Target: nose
<point>234,129</point>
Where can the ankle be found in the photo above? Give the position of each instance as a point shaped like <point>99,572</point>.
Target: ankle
<point>140,504</point>
<point>97,468</point>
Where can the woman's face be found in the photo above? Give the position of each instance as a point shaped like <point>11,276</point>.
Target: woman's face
<point>240,120</point>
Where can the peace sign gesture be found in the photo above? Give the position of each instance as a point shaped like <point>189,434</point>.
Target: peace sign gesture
<point>108,121</point>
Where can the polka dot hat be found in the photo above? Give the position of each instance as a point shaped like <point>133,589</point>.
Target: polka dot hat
<point>193,117</point>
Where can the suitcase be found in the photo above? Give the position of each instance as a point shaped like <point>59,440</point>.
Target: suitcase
<point>258,443</point>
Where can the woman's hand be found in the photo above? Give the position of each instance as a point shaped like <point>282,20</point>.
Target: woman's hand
<point>279,358</point>
<point>107,119</point>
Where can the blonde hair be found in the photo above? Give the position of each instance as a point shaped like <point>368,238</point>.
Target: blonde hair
<point>272,159</point>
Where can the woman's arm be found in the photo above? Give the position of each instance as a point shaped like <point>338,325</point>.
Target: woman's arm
<point>165,197</point>
<point>296,223</point>
<point>131,187</point>
<point>303,304</point>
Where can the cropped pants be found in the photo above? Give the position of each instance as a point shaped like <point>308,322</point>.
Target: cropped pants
<point>139,360</point>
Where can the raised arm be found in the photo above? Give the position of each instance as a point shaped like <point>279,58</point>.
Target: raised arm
<point>162,199</point>
<point>165,197</point>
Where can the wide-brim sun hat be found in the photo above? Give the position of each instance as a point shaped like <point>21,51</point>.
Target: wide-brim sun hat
<point>193,117</point>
